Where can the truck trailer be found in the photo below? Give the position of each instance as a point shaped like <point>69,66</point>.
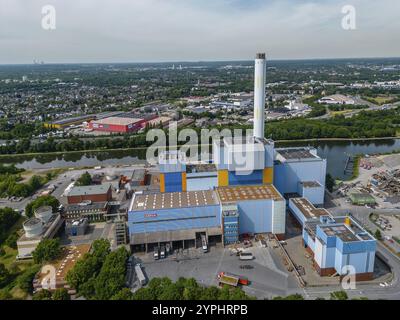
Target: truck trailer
<point>231,279</point>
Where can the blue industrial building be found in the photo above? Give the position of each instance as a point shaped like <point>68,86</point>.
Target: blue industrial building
<point>180,218</point>
<point>173,217</point>
<point>339,245</point>
<point>300,171</point>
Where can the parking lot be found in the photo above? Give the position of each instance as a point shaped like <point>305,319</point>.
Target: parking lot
<point>265,272</point>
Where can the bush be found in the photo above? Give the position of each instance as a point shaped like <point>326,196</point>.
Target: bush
<point>47,250</point>
<point>24,281</point>
<point>5,276</point>
<point>61,294</point>
<point>42,295</point>
<point>39,202</point>
<point>339,295</point>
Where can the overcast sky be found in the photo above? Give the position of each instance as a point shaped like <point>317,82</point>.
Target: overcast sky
<point>192,30</point>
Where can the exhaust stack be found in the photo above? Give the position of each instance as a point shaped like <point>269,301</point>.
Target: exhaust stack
<point>259,95</point>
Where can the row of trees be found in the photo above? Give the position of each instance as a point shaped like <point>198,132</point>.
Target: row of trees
<point>367,124</point>
<point>183,289</point>
<point>100,274</point>
<point>10,185</point>
<point>74,144</point>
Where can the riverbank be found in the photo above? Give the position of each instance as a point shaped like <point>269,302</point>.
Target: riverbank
<point>55,153</point>
<point>335,151</point>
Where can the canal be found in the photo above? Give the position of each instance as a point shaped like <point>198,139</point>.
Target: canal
<point>336,152</point>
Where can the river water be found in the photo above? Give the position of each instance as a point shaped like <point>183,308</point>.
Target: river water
<point>335,151</point>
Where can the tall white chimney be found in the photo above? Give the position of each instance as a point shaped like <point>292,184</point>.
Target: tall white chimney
<point>259,95</point>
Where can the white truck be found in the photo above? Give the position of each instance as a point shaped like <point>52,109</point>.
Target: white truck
<point>156,253</point>
<point>204,243</point>
<point>140,275</point>
<point>246,256</point>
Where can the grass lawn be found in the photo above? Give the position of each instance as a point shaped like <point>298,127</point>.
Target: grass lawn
<point>380,100</point>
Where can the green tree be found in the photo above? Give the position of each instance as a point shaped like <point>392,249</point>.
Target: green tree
<point>5,276</point>
<point>339,295</point>
<point>378,234</point>
<point>329,182</point>
<point>42,295</point>
<point>296,296</point>
<point>123,294</point>
<point>25,280</point>
<point>84,180</point>
<point>61,294</point>
<point>143,294</point>
<point>47,250</point>
<point>210,293</point>
<point>111,278</point>
<point>39,202</point>
<point>83,276</point>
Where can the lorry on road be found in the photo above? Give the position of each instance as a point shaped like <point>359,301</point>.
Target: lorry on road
<point>231,279</point>
<point>140,275</point>
<point>162,252</point>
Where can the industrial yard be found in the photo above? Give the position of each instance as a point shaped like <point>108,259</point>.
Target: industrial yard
<point>377,185</point>
<point>266,273</point>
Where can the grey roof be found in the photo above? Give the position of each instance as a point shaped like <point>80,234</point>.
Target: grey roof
<point>90,190</point>
<point>92,206</point>
<point>296,153</point>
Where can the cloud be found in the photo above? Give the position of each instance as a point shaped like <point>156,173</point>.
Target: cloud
<point>173,30</point>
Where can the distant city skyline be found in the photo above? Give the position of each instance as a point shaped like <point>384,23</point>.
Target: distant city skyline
<point>101,31</point>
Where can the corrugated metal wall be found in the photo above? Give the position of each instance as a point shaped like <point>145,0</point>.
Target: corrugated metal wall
<point>268,175</point>
<point>174,219</point>
<point>288,175</point>
<point>255,216</point>
<point>253,178</point>
<point>173,182</point>
<point>315,194</point>
<point>162,182</point>
<point>223,178</point>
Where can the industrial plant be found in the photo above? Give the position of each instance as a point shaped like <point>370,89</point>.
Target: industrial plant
<point>246,191</point>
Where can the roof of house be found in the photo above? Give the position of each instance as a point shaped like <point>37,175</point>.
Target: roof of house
<point>90,190</point>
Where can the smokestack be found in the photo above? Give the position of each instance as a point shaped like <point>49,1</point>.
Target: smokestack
<point>259,95</point>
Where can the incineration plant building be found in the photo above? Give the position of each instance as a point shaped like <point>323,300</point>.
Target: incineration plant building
<point>243,191</point>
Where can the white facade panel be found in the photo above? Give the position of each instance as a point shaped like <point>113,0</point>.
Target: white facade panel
<point>279,217</point>
<point>246,157</point>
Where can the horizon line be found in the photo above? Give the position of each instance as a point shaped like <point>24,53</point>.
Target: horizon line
<point>193,61</point>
